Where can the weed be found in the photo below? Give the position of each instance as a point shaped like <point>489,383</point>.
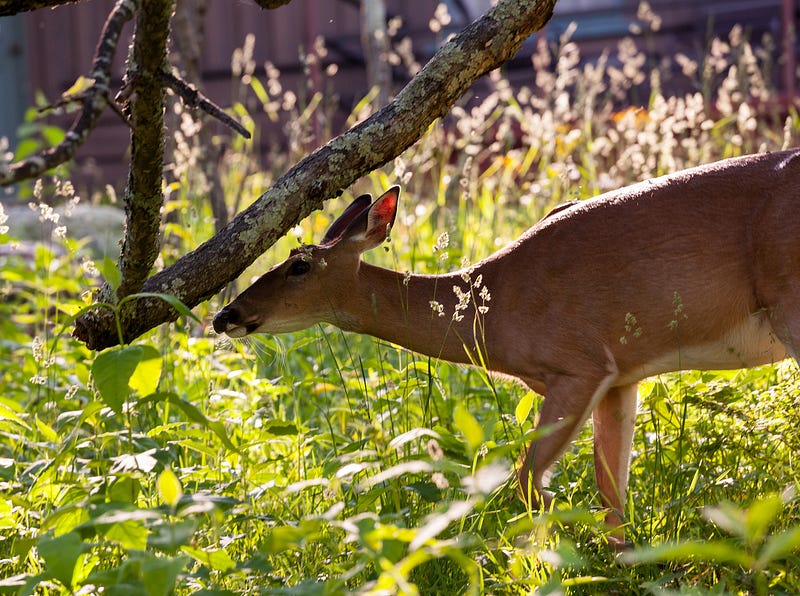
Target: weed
<point>320,462</point>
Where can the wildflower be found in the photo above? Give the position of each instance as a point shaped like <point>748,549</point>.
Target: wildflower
<point>434,450</point>
<point>439,480</point>
<point>89,268</point>
<point>437,308</point>
<point>442,242</point>
<point>37,347</point>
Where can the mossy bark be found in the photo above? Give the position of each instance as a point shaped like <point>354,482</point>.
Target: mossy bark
<point>143,196</point>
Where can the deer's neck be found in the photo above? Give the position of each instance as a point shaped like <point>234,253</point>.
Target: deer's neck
<point>419,312</point>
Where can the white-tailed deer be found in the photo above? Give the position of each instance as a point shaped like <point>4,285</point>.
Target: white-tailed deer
<point>695,270</point>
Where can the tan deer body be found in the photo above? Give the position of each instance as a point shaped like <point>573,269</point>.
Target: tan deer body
<point>695,270</point>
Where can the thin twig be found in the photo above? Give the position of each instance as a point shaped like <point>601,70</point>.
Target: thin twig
<point>195,99</point>
<point>94,100</point>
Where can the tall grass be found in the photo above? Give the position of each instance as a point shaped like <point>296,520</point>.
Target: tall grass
<point>322,462</point>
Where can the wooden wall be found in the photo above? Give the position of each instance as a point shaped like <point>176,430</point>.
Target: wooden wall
<point>60,45</point>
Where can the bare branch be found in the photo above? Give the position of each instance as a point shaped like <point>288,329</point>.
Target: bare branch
<point>195,99</point>
<point>94,99</point>
<point>481,47</point>
<point>12,7</point>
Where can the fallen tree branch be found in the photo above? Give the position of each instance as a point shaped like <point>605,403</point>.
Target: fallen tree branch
<point>482,46</point>
<point>94,100</point>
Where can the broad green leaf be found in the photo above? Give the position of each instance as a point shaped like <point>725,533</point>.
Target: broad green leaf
<point>124,489</point>
<point>779,546</point>
<point>469,427</point>
<point>7,519</point>
<point>130,535</point>
<point>195,415</point>
<point>286,537</point>
<point>217,559</point>
<point>760,516</point>
<point>108,268</point>
<point>7,413</point>
<point>716,551</point>
<point>60,555</point>
<point>523,409</point>
<point>427,490</point>
<point>168,538</point>
<point>65,519</point>
<point>112,371</point>
<point>728,517</point>
<point>144,379</point>
<point>47,431</point>
<point>169,487</point>
<point>280,428</point>
<point>159,575</point>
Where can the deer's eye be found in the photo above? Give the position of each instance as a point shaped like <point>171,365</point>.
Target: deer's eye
<point>299,267</point>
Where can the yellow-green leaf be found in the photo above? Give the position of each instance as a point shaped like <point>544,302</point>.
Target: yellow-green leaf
<point>144,379</point>
<point>169,487</point>
<point>217,559</point>
<point>80,85</point>
<point>523,409</point>
<point>130,535</point>
<point>469,427</point>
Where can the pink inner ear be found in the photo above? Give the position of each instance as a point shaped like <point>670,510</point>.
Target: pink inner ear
<point>385,210</point>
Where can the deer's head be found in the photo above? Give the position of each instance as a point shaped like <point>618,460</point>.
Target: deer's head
<point>315,283</point>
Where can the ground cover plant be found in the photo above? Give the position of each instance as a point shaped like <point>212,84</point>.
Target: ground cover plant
<point>326,463</point>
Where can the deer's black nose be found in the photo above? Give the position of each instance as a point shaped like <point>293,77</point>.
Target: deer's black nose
<point>224,319</point>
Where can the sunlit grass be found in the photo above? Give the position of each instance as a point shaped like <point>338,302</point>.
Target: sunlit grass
<point>323,462</point>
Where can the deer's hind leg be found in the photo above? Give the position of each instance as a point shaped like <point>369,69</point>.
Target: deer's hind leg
<point>613,419</point>
<point>568,402</point>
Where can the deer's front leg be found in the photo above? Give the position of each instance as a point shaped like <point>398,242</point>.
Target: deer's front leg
<point>567,405</point>
<point>614,417</point>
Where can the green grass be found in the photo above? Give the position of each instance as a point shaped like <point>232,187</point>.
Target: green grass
<point>326,463</point>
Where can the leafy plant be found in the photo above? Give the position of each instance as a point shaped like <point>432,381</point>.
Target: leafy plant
<point>321,462</point>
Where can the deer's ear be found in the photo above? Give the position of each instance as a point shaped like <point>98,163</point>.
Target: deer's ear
<point>372,226</point>
<point>353,210</point>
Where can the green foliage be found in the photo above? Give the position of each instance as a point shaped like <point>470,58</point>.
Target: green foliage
<point>325,463</point>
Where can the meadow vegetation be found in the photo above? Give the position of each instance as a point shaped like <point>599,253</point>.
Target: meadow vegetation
<point>326,463</point>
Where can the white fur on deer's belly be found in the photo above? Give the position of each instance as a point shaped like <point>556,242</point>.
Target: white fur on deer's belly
<point>750,344</point>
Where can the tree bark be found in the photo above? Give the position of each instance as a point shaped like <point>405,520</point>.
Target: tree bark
<point>143,198</point>
<point>479,48</point>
